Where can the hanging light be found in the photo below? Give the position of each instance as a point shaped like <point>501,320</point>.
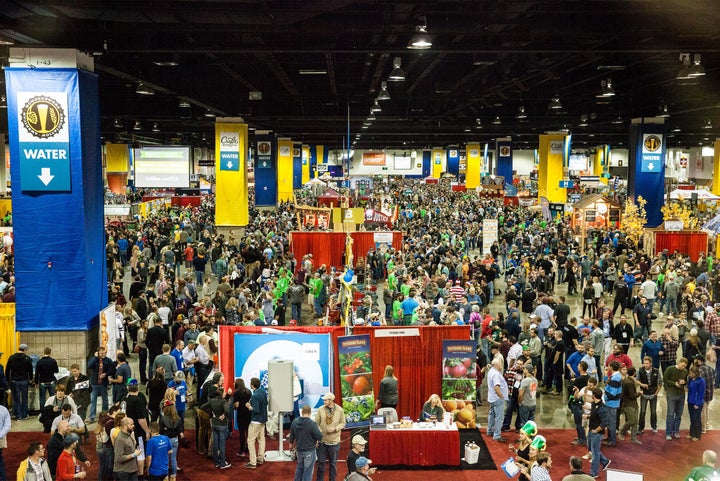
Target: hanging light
<point>421,40</point>
<point>371,117</point>
<point>137,126</point>
<point>3,102</point>
<point>583,120</point>
<point>555,103</point>
<point>606,89</point>
<point>397,74</point>
<point>376,107</point>
<point>143,89</point>
<point>478,123</point>
<point>697,70</point>
<point>708,124</point>
<point>118,124</point>
<point>384,94</point>
<point>184,104</point>
<point>617,121</point>
<point>684,73</point>
<point>521,115</point>
<point>209,114</point>
<point>497,121</point>
<point>156,127</point>
<point>663,111</point>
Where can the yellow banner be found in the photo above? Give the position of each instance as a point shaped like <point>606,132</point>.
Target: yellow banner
<point>285,170</point>
<point>472,171</point>
<point>436,161</point>
<point>305,164</point>
<point>231,187</point>
<point>550,170</point>
<point>716,169</point>
<point>117,158</point>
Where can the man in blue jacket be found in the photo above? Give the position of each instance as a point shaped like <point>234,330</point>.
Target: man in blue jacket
<point>258,406</point>
<point>98,367</point>
<point>613,394</point>
<point>305,433</point>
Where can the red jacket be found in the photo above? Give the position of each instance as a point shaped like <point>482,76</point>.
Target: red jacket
<point>65,470</point>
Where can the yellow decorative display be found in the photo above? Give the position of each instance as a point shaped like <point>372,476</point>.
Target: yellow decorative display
<point>679,211</point>
<point>634,220</point>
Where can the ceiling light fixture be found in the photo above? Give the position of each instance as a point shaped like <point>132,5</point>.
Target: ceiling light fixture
<point>184,104</point>
<point>137,126</point>
<point>371,117</point>
<point>617,121</point>
<point>555,103</point>
<point>497,121</point>
<point>376,107</point>
<point>3,102</point>
<point>397,74</point>
<point>697,70</point>
<point>143,89</point>
<point>521,115</point>
<point>312,72</point>
<point>708,124</point>
<point>606,89</point>
<point>684,73</point>
<point>421,40</point>
<point>118,124</point>
<point>663,111</point>
<point>209,114</point>
<point>478,123</point>
<point>156,127</point>
<point>172,61</point>
<point>583,120</point>
<point>384,94</point>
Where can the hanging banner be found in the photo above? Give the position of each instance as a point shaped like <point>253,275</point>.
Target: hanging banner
<point>646,166</point>
<point>458,381</point>
<point>108,331</point>
<point>489,234</point>
<point>311,355</point>
<point>373,158</point>
<point>297,155</point>
<point>266,185</point>
<point>356,379</point>
<point>284,171</point>
<point>229,144</point>
<point>453,160</point>
<point>375,217</point>
<point>231,176</point>
<point>504,159</point>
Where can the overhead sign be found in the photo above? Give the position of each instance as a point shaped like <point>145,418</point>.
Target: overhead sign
<point>652,153</point>
<point>566,184</point>
<point>229,151</point>
<point>589,178</point>
<point>44,141</point>
<point>373,158</point>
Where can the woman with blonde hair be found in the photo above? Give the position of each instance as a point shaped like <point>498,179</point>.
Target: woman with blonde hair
<point>388,392</point>
<point>433,408</point>
<point>171,425</point>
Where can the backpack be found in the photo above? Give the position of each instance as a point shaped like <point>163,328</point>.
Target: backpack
<point>588,294</point>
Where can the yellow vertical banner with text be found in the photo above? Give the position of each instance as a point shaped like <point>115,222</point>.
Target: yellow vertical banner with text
<point>117,158</point>
<point>550,169</point>
<point>231,187</point>
<point>716,168</point>
<point>472,170</point>
<point>305,164</point>
<point>437,162</point>
<point>284,170</point>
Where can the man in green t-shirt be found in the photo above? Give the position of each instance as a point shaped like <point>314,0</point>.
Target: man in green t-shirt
<point>707,471</point>
<point>316,289</point>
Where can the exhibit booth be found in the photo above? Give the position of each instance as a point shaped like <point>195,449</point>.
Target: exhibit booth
<point>328,247</point>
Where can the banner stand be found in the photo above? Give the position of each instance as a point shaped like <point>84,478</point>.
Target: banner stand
<point>280,455</point>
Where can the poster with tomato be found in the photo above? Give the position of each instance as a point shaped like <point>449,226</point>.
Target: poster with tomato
<point>358,398</point>
<point>458,381</point>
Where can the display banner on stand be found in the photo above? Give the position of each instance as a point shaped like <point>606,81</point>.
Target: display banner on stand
<point>458,381</point>
<point>356,379</point>
<point>311,355</point>
<point>108,331</point>
<point>231,185</point>
<point>489,234</point>
<point>266,187</point>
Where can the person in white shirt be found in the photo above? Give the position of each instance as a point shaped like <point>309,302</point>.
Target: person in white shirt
<point>190,358</point>
<point>75,421</point>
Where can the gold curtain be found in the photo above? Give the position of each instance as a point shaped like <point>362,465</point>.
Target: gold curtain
<point>9,339</point>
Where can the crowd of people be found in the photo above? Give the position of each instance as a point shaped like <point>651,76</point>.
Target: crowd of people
<point>514,296</point>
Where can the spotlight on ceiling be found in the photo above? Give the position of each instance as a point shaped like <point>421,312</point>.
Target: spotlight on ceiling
<point>521,115</point>
<point>156,127</point>
<point>371,117</point>
<point>397,74</point>
<point>606,89</point>
<point>697,70</point>
<point>384,94</point>
<point>421,40</point>
<point>617,121</point>
<point>583,120</point>
<point>376,107</point>
<point>497,121</point>
<point>555,103</point>
<point>708,124</point>
<point>684,73</point>
<point>478,123</point>
<point>663,111</point>
<point>143,89</point>
<point>118,124</point>
<point>184,104</point>
<point>138,125</point>
<point>209,114</point>
<point>3,102</point>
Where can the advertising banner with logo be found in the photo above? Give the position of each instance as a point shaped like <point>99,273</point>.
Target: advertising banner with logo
<point>472,171</point>
<point>453,160</point>
<point>551,167</point>
<point>356,379</point>
<point>373,158</point>
<point>266,187</point>
<point>646,168</point>
<point>297,155</point>
<point>437,162</point>
<point>57,198</point>
<point>284,170</point>
<point>489,234</point>
<point>458,381</point>
<point>375,217</point>
<point>311,354</point>
<point>108,331</point>
<point>504,159</point>
<point>231,179</point>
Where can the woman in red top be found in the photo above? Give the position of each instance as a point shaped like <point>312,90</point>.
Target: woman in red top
<point>67,467</point>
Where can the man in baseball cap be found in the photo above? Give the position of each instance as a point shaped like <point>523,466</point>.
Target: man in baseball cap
<point>362,470</point>
<point>357,444</point>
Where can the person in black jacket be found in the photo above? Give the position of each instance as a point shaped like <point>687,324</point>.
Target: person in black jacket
<point>45,371</point>
<point>55,447</point>
<point>156,337</point>
<point>99,367</point>
<point>19,371</point>
<point>306,434</point>
<point>220,410</point>
<point>623,333</point>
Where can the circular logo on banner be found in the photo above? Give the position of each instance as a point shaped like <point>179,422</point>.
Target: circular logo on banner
<point>652,143</point>
<point>263,147</point>
<point>42,117</point>
<point>504,151</point>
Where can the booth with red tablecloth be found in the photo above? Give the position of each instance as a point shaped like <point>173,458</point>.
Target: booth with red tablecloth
<point>417,359</point>
<point>416,447</point>
<point>328,247</point>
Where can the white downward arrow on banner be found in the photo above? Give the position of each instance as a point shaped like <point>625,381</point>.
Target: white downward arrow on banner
<point>45,176</point>
<point>651,166</point>
<point>229,165</point>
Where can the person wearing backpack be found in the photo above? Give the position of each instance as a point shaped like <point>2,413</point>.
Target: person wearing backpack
<point>588,294</point>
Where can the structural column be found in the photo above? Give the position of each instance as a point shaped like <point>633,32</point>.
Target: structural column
<point>505,159</point>
<point>284,169</point>
<point>646,166</point>
<point>716,168</point>
<point>551,152</point>
<point>472,170</point>
<point>231,185</point>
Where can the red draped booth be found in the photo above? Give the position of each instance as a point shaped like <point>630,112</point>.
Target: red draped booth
<point>691,243</point>
<point>417,359</point>
<point>328,247</point>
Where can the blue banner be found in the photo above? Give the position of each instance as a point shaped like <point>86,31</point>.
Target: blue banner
<point>356,379</point>
<point>57,196</point>
<point>453,160</point>
<point>646,168</point>
<point>297,165</point>
<point>311,355</point>
<point>505,160</point>
<point>265,173</point>
<point>427,155</point>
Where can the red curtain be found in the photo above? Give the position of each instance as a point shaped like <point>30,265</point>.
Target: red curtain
<point>417,359</point>
<point>691,243</point>
<point>363,241</point>
<point>328,247</point>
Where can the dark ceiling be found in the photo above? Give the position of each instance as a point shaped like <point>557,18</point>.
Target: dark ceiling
<point>488,59</point>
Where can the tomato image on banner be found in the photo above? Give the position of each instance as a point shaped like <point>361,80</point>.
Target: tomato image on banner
<point>458,382</point>
<point>356,379</point>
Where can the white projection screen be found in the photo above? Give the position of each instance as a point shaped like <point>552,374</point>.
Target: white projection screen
<point>162,166</point>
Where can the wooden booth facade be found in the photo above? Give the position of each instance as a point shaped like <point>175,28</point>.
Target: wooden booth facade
<point>595,212</point>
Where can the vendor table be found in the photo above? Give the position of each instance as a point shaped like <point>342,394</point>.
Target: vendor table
<point>423,445</point>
